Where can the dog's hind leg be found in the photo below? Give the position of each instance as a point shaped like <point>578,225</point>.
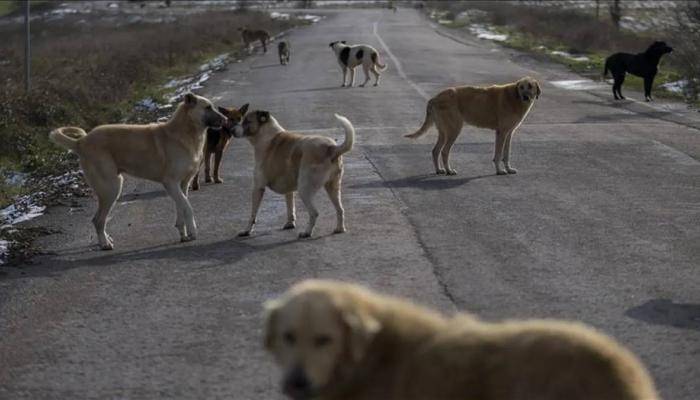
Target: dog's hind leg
<point>619,79</point>
<point>365,69</point>
<point>451,129</point>
<point>107,186</point>
<point>376,75</point>
<point>333,190</point>
<point>498,151</point>
<point>345,74</point>
<point>291,213</point>
<point>352,77</point>
<point>184,223</point>
<point>436,152</point>
<point>310,182</point>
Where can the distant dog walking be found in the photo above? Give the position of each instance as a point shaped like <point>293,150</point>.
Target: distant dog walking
<point>498,107</point>
<point>350,57</point>
<point>250,36</point>
<point>644,65</point>
<point>284,51</point>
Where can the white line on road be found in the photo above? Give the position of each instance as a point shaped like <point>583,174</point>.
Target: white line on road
<point>396,61</point>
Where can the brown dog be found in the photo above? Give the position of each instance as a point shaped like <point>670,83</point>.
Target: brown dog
<point>341,341</point>
<point>287,162</point>
<point>168,152</point>
<point>217,142</point>
<point>249,36</point>
<point>498,107</point>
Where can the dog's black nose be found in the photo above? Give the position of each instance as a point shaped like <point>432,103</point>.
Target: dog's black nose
<point>296,384</point>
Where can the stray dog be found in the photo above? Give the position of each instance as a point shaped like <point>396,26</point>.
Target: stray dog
<point>337,341</point>
<point>168,152</point>
<point>498,107</point>
<point>287,162</point>
<point>644,65</point>
<point>284,51</point>
<point>216,144</point>
<point>250,36</point>
<point>350,57</point>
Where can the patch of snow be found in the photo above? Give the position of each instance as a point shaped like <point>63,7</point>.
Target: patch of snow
<point>677,86</point>
<point>279,15</point>
<point>23,209</point>
<point>310,17</point>
<point>483,32</point>
<point>444,21</point>
<point>569,56</point>
<point>4,250</point>
<point>578,84</point>
<point>217,63</point>
<point>15,178</point>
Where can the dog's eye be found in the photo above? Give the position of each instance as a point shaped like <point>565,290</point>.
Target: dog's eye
<point>322,340</point>
<point>289,338</point>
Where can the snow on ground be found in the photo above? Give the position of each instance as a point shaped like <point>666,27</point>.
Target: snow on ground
<point>676,87</point>
<point>578,84</point>
<point>484,32</point>
<point>569,56</point>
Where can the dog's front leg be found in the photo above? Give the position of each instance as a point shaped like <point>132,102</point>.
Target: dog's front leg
<point>291,213</point>
<point>648,83</point>
<point>506,153</point>
<point>257,196</point>
<point>185,216</point>
<point>352,77</point>
<point>498,151</point>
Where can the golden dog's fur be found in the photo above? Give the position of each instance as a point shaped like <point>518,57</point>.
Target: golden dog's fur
<point>169,153</point>
<point>287,162</point>
<point>498,107</point>
<point>341,341</point>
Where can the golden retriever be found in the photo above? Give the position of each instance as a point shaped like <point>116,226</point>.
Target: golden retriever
<point>498,107</point>
<point>168,152</point>
<point>338,341</point>
<point>287,162</point>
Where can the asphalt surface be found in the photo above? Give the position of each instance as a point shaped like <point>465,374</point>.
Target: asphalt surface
<point>601,225</point>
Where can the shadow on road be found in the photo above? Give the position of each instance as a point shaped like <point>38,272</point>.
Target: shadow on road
<point>266,66</point>
<point>143,196</point>
<point>314,89</point>
<point>424,182</point>
<point>666,312</point>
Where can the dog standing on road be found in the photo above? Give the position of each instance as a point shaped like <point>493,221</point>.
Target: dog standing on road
<point>337,341</point>
<point>284,51</point>
<point>217,142</point>
<point>250,36</point>
<point>287,162</point>
<point>350,57</point>
<point>644,65</point>
<point>498,107</point>
<point>168,152</point>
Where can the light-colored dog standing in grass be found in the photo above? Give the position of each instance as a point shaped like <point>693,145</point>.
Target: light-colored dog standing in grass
<point>499,107</point>
<point>288,162</point>
<point>169,153</point>
<point>339,341</point>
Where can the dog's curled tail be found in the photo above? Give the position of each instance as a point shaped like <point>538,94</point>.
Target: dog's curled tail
<point>67,137</point>
<point>349,136</point>
<point>426,124</point>
<point>375,60</point>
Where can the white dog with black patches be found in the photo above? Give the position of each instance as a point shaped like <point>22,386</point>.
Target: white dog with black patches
<point>350,57</point>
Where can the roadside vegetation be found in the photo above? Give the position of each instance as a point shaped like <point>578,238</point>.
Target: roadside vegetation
<point>582,38</point>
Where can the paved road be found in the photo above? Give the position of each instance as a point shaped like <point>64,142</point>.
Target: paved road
<point>601,225</point>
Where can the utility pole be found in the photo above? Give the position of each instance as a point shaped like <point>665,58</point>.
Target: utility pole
<point>27,49</point>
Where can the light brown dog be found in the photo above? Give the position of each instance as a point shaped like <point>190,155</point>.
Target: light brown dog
<point>498,107</point>
<point>216,143</point>
<point>169,153</point>
<point>338,341</point>
<point>287,162</point>
<point>250,36</point>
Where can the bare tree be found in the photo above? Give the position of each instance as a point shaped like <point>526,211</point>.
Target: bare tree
<point>616,13</point>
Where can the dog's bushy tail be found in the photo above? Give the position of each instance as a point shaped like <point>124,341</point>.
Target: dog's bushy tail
<point>375,60</point>
<point>67,137</point>
<point>426,124</point>
<point>605,70</point>
<point>349,136</point>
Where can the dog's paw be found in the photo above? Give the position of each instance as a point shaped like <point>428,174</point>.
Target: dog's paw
<point>343,85</point>
<point>451,172</point>
<point>501,172</point>
<point>304,235</point>
<point>289,225</point>
<point>440,172</point>
<point>511,170</point>
<point>243,234</point>
<point>340,230</point>
<point>188,238</point>
<point>107,246</point>
<point>218,180</point>
<point>376,84</point>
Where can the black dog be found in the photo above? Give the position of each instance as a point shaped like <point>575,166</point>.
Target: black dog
<point>644,65</point>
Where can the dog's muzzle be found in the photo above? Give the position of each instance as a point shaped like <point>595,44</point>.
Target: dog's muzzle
<point>296,385</point>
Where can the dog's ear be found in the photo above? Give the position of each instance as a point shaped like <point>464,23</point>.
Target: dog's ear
<point>539,91</point>
<point>361,328</point>
<point>190,99</point>
<point>331,44</point>
<point>271,309</point>
<point>343,42</point>
<point>243,109</point>
<point>223,110</point>
<point>263,116</point>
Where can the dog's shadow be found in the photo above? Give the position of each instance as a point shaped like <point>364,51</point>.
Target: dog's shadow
<point>666,312</point>
<point>265,66</point>
<point>423,182</point>
<point>338,87</point>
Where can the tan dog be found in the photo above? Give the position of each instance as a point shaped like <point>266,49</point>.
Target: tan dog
<point>169,153</point>
<point>216,143</point>
<point>341,341</point>
<point>287,162</point>
<point>498,107</point>
<point>250,36</point>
